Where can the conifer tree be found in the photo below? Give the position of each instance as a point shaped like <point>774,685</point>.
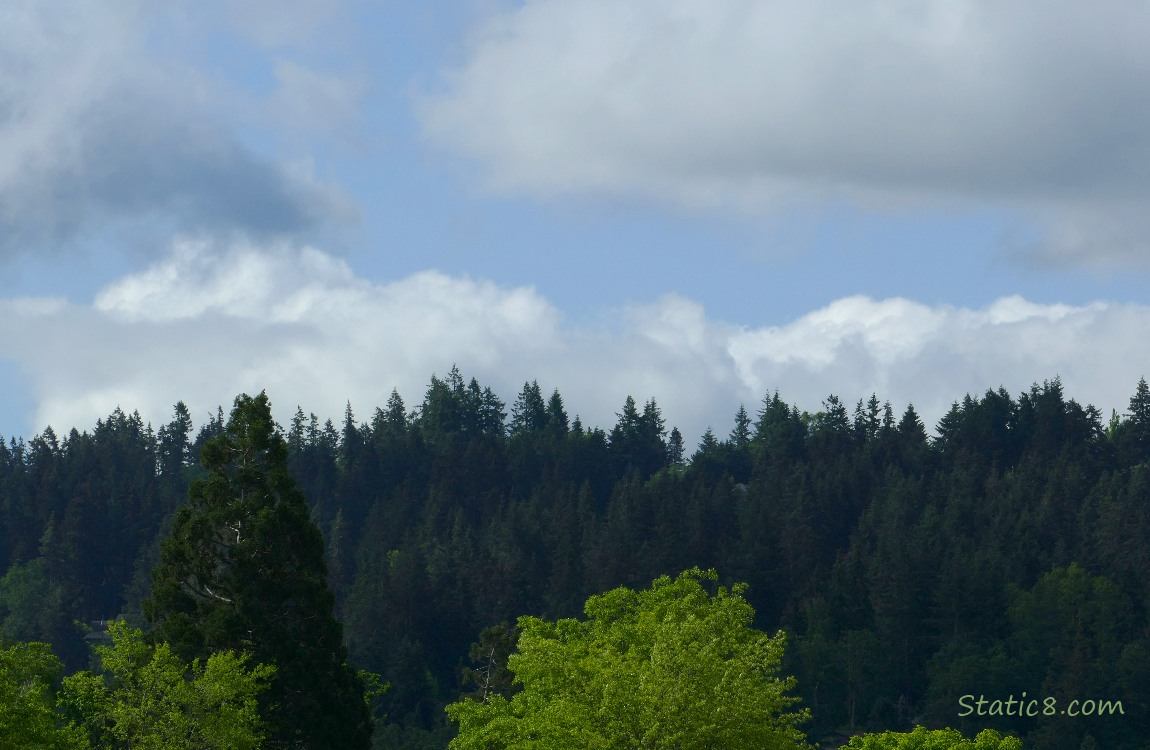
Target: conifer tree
<point>741,434</point>
<point>529,412</point>
<point>675,447</point>
<point>1139,420</point>
<point>243,569</point>
<point>556,414</point>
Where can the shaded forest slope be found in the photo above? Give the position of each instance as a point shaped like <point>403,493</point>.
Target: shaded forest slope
<point>1007,552</point>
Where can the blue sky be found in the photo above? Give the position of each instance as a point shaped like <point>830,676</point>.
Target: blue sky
<point>693,201</point>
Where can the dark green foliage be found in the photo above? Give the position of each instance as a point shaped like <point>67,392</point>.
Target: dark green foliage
<point>1002,549</point>
<point>675,447</point>
<point>529,414</point>
<point>489,676</point>
<point>243,569</point>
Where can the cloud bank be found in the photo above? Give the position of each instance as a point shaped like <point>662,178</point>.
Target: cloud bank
<point>763,106</point>
<point>212,320</point>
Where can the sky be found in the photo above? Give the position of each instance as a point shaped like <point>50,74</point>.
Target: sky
<point>697,201</point>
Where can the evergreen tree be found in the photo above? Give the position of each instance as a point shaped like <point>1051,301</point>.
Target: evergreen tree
<point>867,419</point>
<point>675,447</point>
<point>395,417</point>
<point>1140,419</point>
<point>556,414</point>
<point>491,413</point>
<point>708,444</point>
<point>243,569</point>
<point>174,448</point>
<point>741,434</point>
<point>529,413</point>
<point>351,439</point>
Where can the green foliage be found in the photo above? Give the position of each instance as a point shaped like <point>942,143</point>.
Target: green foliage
<point>670,667</point>
<point>907,570</point>
<point>490,675</point>
<point>28,601</point>
<point>243,569</point>
<point>156,701</point>
<point>938,739</point>
<point>28,676</point>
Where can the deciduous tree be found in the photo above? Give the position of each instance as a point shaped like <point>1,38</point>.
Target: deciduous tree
<point>670,667</point>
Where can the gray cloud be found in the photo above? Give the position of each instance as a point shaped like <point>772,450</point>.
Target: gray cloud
<point>97,128</point>
<point>759,106</point>
<point>211,320</point>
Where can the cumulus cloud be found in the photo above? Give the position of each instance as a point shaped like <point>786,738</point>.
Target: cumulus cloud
<point>98,127</point>
<point>764,105</point>
<point>212,320</point>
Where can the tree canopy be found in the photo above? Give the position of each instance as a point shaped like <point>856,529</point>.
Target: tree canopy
<point>1002,549</point>
<point>148,699</point>
<point>244,569</point>
<point>669,667</point>
<point>153,700</point>
<point>29,676</point>
<point>938,739</point>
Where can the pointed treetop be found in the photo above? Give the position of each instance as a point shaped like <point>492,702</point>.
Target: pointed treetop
<point>741,434</point>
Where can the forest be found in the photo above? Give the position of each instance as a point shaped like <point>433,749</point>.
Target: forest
<point>913,570</point>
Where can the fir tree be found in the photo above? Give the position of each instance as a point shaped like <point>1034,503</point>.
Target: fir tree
<point>529,412</point>
<point>675,447</point>
<point>741,434</point>
<point>556,414</point>
<point>1139,429</point>
<point>243,569</point>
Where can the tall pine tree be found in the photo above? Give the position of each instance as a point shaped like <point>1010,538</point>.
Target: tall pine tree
<point>244,569</point>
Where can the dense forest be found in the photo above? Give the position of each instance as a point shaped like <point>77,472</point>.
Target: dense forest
<point>1004,553</point>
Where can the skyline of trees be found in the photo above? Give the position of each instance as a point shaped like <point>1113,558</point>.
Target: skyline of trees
<point>905,567</point>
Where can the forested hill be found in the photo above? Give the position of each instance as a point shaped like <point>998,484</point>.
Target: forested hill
<point>1008,553</point>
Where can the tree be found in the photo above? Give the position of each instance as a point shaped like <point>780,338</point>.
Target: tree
<point>741,434</point>
<point>675,447</point>
<point>938,739</point>
<point>1135,431</point>
<point>243,569</point>
<point>174,448</point>
<point>157,701</point>
<point>529,413</point>
<point>556,414</point>
<point>671,667</point>
<point>490,675</point>
<point>868,419</point>
<point>29,673</point>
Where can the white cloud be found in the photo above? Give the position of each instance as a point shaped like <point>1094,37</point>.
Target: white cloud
<point>210,321</point>
<point>763,105</point>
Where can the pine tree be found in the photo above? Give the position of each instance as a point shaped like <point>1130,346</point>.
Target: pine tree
<point>174,448</point>
<point>529,413</point>
<point>556,414</point>
<point>1140,417</point>
<point>243,569</point>
<point>708,443</point>
<point>741,434</point>
<point>675,447</point>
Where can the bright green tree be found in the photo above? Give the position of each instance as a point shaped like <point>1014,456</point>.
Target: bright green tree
<point>29,673</point>
<point>938,739</point>
<point>243,569</point>
<point>670,667</point>
<point>156,701</point>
